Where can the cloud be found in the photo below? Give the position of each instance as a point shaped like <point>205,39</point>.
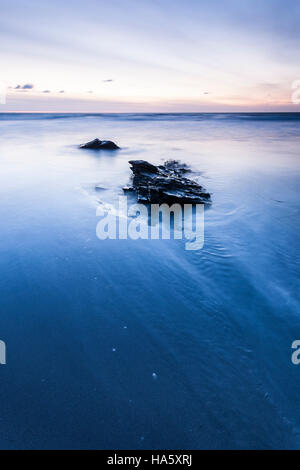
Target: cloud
<point>268,85</point>
<point>27,86</point>
<point>62,91</point>
<point>108,80</point>
<point>46,91</point>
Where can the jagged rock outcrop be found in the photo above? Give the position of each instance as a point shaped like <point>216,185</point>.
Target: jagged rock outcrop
<point>165,183</point>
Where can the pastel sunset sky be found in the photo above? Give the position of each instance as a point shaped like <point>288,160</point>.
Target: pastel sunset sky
<point>149,55</point>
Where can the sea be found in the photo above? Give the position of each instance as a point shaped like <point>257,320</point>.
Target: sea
<point>140,343</point>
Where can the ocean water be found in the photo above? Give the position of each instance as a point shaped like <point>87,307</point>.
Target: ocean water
<point>133,344</point>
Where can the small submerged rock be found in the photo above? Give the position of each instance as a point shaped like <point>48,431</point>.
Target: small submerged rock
<point>165,183</point>
<point>97,144</point>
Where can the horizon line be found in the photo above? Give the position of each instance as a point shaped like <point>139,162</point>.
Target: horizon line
<point>150,112</point>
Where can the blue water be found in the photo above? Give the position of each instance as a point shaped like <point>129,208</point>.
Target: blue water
<point>87,322</point>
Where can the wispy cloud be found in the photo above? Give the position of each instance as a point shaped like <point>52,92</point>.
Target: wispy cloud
<point>108,80</point>
<point>46,91</point>
<point>27,86</point>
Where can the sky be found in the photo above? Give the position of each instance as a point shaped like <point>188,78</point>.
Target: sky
<point>149,55</point>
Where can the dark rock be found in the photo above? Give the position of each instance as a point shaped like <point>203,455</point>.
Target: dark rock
<point>143,167</point>
<point>165,183</point>
<point>97,144</point>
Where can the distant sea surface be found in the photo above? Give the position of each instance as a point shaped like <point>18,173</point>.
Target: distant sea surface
<point>133,344</point>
